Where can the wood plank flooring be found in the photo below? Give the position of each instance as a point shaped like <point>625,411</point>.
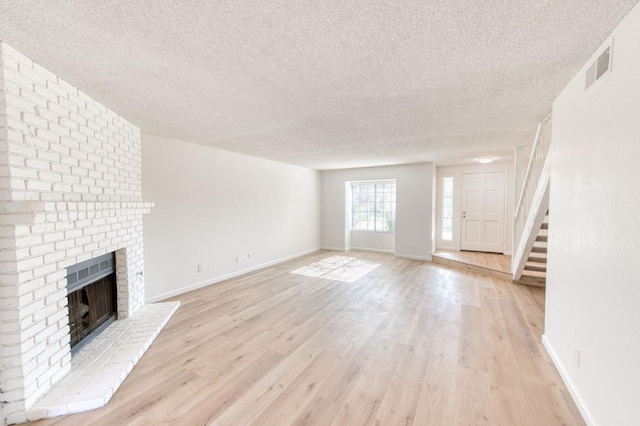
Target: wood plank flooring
<point>496,261</point>
<point>409,343</point>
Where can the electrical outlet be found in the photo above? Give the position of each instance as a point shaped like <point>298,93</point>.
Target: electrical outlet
<point>238,259</point>
<point>248,255</point>
<point>200,268</point>
<point>576,356</point>
<point>413,246</point>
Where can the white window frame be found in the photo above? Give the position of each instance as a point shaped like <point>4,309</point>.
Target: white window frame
<point>389,206</point>
<point>444,208</point>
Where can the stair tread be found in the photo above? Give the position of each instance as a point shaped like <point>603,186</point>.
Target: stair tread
<point>535,274</point>
<point>539,282</point>
<point>541,238</point>
<point>544,226</point>
<point>535,269</point>
<point>541,256</point>
<point>539,249</point>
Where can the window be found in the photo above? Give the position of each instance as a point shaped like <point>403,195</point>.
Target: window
<point>373,206</point>
<point>447,208</point>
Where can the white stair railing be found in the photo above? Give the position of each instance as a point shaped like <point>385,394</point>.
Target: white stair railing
<point>532,176</point>
<point>531,194</point>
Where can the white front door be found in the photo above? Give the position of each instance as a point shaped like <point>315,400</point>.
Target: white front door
<point>483,212</point>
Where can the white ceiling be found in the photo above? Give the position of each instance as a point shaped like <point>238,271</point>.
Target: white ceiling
<point>323,84</point>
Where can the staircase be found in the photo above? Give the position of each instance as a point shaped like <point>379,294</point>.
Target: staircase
<point>531,220</point>
<point>535,268</point>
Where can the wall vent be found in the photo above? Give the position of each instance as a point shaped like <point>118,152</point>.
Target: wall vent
<point>598,68</point>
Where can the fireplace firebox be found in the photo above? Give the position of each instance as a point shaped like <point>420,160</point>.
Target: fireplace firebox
<point>92,298</point>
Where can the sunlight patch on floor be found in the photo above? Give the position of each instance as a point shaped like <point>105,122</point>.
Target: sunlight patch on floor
<point>339,268</point>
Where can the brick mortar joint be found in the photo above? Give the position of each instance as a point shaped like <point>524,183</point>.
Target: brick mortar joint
<point>101,207</point>
<point>62,206</point>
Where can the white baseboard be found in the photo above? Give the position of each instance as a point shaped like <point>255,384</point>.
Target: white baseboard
<point>372,249</point>
<point>407,256</point>
<point>582,407</point>
<point>333,248</point>
<point>215,280</point>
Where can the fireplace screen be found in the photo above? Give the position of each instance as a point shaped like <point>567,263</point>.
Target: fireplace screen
<point>91,294</point>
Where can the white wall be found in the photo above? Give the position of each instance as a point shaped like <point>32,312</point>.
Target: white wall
<point>213,205</point>
<point>413,207</point>
<point>457,172</point>
<point>374,241</point>
<point>593,290</point>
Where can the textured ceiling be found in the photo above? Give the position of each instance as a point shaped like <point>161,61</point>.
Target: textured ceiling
<point>323,84</point>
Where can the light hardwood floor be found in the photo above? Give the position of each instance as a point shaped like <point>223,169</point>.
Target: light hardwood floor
<point>410,342</point>
<point>495,261</point>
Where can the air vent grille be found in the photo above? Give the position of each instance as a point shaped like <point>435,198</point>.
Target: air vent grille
<point>91,270</point>
<point>598,68</point>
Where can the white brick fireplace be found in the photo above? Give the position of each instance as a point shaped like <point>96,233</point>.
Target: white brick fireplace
<point>70,190</point>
